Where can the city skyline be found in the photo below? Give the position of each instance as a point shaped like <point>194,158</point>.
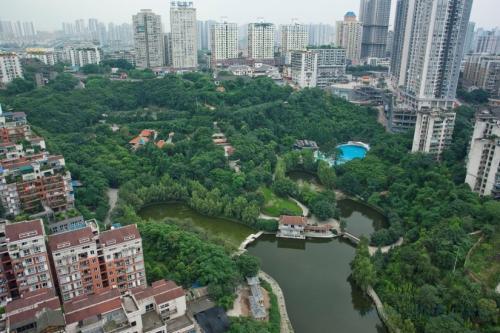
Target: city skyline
<point>122,11</point>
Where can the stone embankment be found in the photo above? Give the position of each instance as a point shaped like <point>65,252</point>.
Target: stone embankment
<point>286,325</point>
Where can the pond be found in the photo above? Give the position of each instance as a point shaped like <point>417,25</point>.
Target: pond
<point>314,277</point>
<point>361,219</point>
<point>313,274</point>
<point>231,231</point>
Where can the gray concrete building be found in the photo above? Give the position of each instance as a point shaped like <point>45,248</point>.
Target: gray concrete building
<point>374,15</point>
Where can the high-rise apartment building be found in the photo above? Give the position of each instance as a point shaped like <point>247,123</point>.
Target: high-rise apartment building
<point>332,64</point>
<point>349,36</point>
<point>204,34</point>
<point>224,42</point>
<point>321,34</point>
<point>261,41</point>
<point>374,15</point>
<point>76,263</point>
<point>120,254</point>
<point>81,55</point>
<point>25,261</point>
<point>483,71</point>
<point>469,38</point>
<point>483,163</point>
<point>32,180</point>
<point>304,68</point>
<point>184,35</point>
<point>433,131</point>
<point>10,67</point>
<point>47,56</point>
<point>428,48</point>
<point>148,39</point>
<point>294,37</point>
<point>87,261</point>
<point>167,43</point>
<point>488,42</point>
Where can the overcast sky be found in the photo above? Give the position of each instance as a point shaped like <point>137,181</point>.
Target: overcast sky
<point>49,14</point>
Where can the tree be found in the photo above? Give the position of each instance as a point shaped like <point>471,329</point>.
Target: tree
<point>487,311</point>
<point>326,174</point>
<point>363,270</point>
<point>19,86</point>
<point>64,82</point>
<point>248,265</point>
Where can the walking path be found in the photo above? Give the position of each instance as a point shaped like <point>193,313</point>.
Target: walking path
<point>112,199</point>
<point>243,246</point>
<point>385,249</point>
<point>305,210</point>
<point>286,325</point>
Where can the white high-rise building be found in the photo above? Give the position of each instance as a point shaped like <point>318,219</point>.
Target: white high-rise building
<point>349,35</point>
<point>183,28</point>
<point>148,39</point>
<point>428,49</point>
<point>224,42</point>
<point>374,15</point>
<point>433,131</point>
<point>483,164</point>
<point>469,38</point>
<point>261,41</point>
<point>304,67</point>
<point>321,34</point>
<point>294,37</point>
<point>10,67</point>
<point>488,43</point>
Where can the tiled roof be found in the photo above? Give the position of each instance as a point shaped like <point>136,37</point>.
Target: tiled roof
<point>70,239</point>
<point>293,220</point>
<point>160,143</point>
<point>119,235</point>
<point>87,306</point>
<point>24,308</point>
<point>147,132</point>
<point>162,291</point>
<point>23,230</point>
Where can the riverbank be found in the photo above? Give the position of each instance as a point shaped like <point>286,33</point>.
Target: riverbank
<point>286,325</point>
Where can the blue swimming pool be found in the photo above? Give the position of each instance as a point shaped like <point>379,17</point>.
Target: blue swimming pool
<point>350,152</point>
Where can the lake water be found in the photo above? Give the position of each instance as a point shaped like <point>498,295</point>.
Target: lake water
<point>231,231</point>
<point>313,274</point>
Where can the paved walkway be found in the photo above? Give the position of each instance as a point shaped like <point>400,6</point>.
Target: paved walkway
<point>385,249</point>
<point>305,210</point>
<point>243,246</point>
<point>286,325</point>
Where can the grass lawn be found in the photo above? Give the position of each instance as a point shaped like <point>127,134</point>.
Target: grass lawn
<point>484,262</point>
<point>276,206</point>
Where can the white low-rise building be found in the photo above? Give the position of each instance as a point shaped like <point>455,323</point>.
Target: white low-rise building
<point>292,227</point>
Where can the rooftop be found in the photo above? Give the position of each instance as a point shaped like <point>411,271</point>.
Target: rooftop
<point>71,238</point>
<point>293,220</point>
<point>87,306</point>
<point>22,230</point>
<point>119,235</point>
<point>162,291</point>
<point>151,320</point>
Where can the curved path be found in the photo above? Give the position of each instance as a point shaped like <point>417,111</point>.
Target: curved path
<point>305,210</point>
<point>385,249</point>
<point>286,325</point>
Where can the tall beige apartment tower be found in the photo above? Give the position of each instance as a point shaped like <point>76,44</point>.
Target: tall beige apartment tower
<point>349,36</point>
<point>183,30</point>
<point>148,39</point>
